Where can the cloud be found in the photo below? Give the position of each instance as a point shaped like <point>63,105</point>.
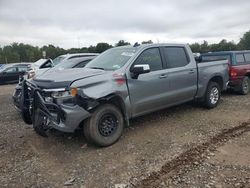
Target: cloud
<point>85,22</point>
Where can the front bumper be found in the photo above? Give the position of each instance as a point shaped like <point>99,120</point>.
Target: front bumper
<point>61,117</point>
<point>73,116</point>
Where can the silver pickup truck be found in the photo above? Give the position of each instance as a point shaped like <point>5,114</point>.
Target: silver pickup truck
<point>120,84</point>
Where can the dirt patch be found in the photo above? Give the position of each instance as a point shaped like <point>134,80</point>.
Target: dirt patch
<point>234,152</point>
<point>28,160</point>
<point>193,156</point>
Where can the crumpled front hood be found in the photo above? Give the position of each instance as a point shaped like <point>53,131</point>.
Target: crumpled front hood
<point>62,78</point>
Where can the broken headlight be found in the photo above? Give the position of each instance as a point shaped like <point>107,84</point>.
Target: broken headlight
<point>60,94</point>
<point>63,96</point>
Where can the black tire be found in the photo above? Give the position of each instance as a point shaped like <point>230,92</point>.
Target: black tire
<point>245,86</point>
<point>39,124</point>
<point>105,126</point>
<point>212,95</point>
<point>26,116</point>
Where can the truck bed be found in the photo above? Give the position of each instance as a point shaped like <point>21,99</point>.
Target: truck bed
<point>207,70</point>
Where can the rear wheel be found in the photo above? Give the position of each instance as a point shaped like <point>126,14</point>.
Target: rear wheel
<point>212,95</point>
<point>244,88</point>
<point>105,126</point>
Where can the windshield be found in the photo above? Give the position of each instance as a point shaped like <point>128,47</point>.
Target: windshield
<point>64,65</point>
<point>112,59</point>
<point>39,62</point>
<point>58,59</point>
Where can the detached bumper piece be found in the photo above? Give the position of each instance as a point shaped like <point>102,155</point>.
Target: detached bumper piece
<point>16,97</point>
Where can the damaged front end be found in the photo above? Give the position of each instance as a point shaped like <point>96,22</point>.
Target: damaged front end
<point>54,108</point>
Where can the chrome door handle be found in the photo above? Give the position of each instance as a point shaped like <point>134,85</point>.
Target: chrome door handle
<point>163,76</point>
<point>191,72</point>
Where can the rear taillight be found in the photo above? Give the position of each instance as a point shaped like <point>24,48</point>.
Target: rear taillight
<point>233,73</point>
<point>119,78</point>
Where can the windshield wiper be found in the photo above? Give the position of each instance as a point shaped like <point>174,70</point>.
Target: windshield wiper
<point>96,68</point>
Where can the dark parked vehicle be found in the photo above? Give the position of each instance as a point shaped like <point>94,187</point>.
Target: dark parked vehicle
<point>10,73</point>
<point>77,62</point>
<point>239,68</point>
<point>120,84</point>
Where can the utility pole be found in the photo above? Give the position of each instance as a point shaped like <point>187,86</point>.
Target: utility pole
<point>44,54</point>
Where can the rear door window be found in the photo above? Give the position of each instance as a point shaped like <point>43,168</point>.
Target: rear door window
<point>175,57</point>
<point>240,59</point>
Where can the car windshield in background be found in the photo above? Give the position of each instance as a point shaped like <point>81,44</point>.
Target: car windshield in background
<point>64,65</point>
<point>207,58</point>
<point>39,62</point>
<point>1,67</point>
<point>57,60</point>
<point>4,67</point>
<point>112,59</point>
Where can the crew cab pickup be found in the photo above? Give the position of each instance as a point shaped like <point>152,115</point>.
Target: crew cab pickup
<point>120,84</point>
<point>239,68</point>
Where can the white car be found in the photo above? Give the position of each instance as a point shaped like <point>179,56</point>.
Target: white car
<point>40,64</point>
<point>43,65</point>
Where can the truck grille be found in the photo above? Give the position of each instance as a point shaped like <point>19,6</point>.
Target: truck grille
<point>30,94</point>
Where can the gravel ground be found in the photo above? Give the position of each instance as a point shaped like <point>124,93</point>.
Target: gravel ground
<point>184,146</point>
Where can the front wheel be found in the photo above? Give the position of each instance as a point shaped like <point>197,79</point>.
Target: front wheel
<point>105,126</point>
<point>40,123</point>
<point>212,95</point>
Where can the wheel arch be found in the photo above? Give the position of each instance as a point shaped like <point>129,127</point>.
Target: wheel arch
<point>117,101</point>
<point>217,79</point>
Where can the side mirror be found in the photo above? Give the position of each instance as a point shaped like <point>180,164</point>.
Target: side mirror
<point>198,59</point>
<point>139,69</point>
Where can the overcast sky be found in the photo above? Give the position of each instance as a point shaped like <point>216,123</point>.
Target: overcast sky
<point>78,23</point>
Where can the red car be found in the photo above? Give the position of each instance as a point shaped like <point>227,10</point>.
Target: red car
<point>239,69</point>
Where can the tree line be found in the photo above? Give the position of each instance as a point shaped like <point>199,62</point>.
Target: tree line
<point>223,45</point>
<point>19,52</point>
